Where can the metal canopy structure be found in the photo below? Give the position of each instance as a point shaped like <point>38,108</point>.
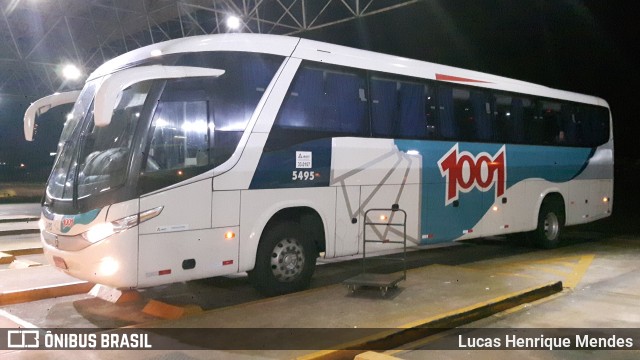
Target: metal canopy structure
<point>37,37</point>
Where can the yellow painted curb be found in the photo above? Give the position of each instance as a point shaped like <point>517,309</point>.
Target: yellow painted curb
<point>45,292</point>
<point>22,252</point>
<point>6,258</point>
<point>167,311</point>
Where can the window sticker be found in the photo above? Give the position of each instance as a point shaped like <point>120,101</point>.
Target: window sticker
<point>304,160</point>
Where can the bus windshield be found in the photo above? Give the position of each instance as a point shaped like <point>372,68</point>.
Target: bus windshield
<point>94,159</point>
<point>104,152</point>
<point>80,109</point>
<point>66,145</point>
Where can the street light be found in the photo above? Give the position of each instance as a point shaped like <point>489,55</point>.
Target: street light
<point>233,22</point>
<point>71,72</point>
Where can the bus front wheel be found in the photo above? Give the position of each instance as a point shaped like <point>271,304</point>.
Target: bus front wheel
<point>285,261</point>
<point>550,225</point>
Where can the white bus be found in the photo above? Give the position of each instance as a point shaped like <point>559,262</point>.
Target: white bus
<point>220,154</point>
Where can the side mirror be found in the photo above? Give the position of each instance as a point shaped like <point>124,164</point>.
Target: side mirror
<point>109,93</point>
<point>43,105</point>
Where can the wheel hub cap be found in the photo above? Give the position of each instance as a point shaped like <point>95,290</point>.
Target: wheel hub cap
<point>287,260</point>
<point>551,226</point>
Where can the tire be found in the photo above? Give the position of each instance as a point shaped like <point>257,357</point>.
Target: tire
<point>550,225</point>
<point>285,261</point>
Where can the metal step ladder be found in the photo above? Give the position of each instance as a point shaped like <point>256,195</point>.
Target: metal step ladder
<point>387,218</point>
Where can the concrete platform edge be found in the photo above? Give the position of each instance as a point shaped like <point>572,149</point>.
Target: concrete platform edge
<point>19,232</point>
<point>431,326</point>
<point>19,219</point>
<point>22,252</point>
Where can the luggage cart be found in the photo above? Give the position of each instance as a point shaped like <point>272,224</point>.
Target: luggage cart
<point>387,219</point>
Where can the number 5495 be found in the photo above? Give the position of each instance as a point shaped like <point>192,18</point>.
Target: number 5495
<point>302,175</point>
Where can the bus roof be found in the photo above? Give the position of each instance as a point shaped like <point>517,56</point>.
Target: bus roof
<point>269,44</point>
<point>338,55</point>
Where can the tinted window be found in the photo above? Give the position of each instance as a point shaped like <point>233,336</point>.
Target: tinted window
<point>465,114</point>
<point>328,101</point>
<point>402,108</point>
<point>509,118</point>
<point>322,102</point>
<point>547,128</point>
<point>180,136</point>
<point>599,129</point>
<point>587,125</point>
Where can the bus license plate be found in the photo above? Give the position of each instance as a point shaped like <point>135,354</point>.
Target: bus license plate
<point>60,262</point>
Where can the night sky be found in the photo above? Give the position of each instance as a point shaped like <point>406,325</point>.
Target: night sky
<point>583,46</point>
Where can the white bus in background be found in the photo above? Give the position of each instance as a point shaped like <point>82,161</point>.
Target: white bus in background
<point>219,154</point>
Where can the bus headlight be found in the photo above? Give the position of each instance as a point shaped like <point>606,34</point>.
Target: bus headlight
<point>102,231</point>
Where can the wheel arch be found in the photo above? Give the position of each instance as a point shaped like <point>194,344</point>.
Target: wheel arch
<point>551,220</point>
<point>307,217</point>
<point>555,198</point>
<point>552,195</point>
<point>303,214</point>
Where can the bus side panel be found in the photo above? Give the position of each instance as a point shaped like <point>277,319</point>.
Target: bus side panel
<point>601,201</point>
<point>239,178</point>
<point>382,197</point>
<point>593,191</point>
<point>169,238</point>
<point>358,161</point>
<point>591,200</point>
<point>187,255</point>
<point>505,214</point>
<point>457,204</point>
<point>387,176</point>
<point>578,202</point>
<point>184,208</point>
<point>225,209</point>
<point>347,232</point>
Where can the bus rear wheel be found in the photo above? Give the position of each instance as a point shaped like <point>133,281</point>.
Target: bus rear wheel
<point>285,261</point>
<point>550,225</point>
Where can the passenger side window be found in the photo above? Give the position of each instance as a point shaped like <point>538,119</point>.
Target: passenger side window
<point>322,102</point>
<point>587,125</point>
<point>547,127</point>
<point>509,117</point>
<point>345,105</point>
<point>180,136</point>
<point>384,107</point>
<point>402,108</point>
<point>597,132</point>
<point>465,114</point>
<point>524,112</point>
